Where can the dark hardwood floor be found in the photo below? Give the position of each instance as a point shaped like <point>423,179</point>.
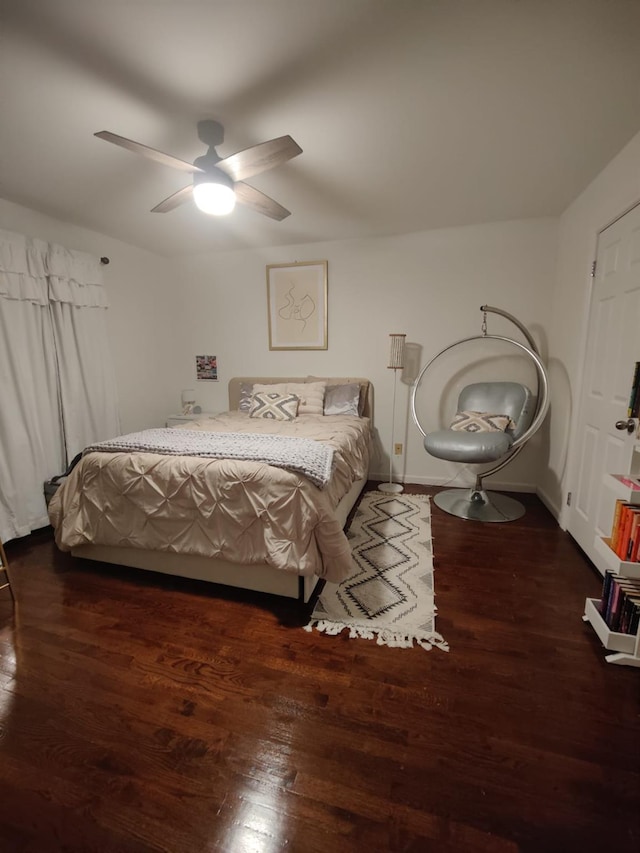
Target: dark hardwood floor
<point>143,713</point>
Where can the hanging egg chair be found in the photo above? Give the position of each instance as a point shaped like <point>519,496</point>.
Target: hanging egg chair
<point>493,423</point>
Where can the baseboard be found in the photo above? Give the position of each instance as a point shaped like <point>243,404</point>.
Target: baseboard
<point>491,484</point>
<point>553,508</point>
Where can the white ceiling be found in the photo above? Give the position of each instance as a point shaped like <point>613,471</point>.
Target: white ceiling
<point>412,114</point>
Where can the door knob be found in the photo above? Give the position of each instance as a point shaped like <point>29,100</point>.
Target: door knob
<point>629,425</point>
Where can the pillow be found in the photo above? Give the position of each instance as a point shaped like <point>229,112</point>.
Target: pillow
<point>364,390</point>
<point>481,422</point>
<point>342,399</point>
<point>273,406</point>
<point>246,390</point>
<point>310,394</point>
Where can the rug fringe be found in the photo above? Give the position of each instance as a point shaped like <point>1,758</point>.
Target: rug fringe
<point>385,637</point>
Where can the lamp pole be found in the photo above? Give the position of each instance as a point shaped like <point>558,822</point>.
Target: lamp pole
<point>396,362</point>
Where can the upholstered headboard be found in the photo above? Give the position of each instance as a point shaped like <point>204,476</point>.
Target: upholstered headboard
<point>367,388</point>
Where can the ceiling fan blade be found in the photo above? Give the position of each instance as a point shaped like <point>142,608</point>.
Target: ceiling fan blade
<point>259,158</point>
<point>149,153</point>
<point>258,201</point>
<point>174,200</point>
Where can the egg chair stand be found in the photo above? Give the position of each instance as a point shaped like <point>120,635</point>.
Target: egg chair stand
<point>525,412</point>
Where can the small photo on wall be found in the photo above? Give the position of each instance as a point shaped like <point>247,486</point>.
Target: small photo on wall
<point>207,367</point>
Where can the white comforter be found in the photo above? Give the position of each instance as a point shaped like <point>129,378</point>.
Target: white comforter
<point>243,511</point>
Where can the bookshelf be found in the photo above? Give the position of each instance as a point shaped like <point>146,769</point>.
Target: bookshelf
<point>613,562</point>
<point>625,648</point>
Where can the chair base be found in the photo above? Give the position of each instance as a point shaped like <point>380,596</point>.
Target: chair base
<point>475,505</point>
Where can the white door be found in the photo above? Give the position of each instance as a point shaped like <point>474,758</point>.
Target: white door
<point>613,347</point>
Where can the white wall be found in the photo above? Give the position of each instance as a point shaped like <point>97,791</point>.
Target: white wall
<point>143,299</point>
<point>429,285</point>
<point>614,191</point>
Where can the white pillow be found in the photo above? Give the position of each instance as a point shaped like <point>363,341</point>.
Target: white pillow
<point>310,394</point>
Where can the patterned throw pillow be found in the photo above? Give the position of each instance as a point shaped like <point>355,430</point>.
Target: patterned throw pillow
<point>273,406</point>
<point>481,422</point>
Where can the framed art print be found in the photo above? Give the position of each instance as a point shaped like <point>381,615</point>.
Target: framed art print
<point>297,305</point>
<point>207,367</point>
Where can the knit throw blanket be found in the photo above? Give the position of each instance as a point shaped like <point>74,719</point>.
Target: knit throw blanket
<point>305,456</point>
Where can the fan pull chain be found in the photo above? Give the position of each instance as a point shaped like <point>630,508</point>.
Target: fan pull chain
<point>484,323</point>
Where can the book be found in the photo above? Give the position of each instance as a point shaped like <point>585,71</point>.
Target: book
<point>615,527</point>
<point>620,590</point>
<point>634,539</point>
<point>619,587</point>
<point>630,606</point>
<point>621,614</point>
<point>626,545</point>
<point>622,539</point>
<point>612,601</point>
<point>606,588</point>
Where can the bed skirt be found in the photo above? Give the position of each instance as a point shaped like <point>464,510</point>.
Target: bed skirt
<point>257,577</point>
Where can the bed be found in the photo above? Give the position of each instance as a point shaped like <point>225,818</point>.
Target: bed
<point>237,521</point>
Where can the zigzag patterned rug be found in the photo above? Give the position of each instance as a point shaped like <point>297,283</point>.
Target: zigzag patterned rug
<point>389,594</point>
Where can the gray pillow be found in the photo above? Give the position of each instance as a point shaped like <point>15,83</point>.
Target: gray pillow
<point>246,392</point>
<point>342,399</point>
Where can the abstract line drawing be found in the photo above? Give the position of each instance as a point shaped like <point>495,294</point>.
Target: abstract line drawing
<point>297,305</point>
<point>297,308</point>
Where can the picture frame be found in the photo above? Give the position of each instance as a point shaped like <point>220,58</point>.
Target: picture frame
<point>206,368</point>
<point>297,305</point>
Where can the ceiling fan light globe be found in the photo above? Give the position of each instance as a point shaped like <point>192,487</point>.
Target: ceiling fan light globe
<point>216,199</point>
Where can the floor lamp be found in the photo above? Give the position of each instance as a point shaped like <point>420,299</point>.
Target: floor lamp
<point>396,363</point>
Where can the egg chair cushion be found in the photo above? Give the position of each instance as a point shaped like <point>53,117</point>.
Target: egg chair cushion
<point>509,398</point>
<point>512,400</point>
<point>469,447</point>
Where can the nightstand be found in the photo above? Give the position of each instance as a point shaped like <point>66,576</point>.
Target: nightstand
<point>176,420</point>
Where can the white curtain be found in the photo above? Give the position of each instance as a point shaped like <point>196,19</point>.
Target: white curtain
<point>77,302</point>
<point>57,386</point>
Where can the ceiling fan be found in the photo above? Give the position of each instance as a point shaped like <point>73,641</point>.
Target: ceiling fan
<point>218,182</point>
